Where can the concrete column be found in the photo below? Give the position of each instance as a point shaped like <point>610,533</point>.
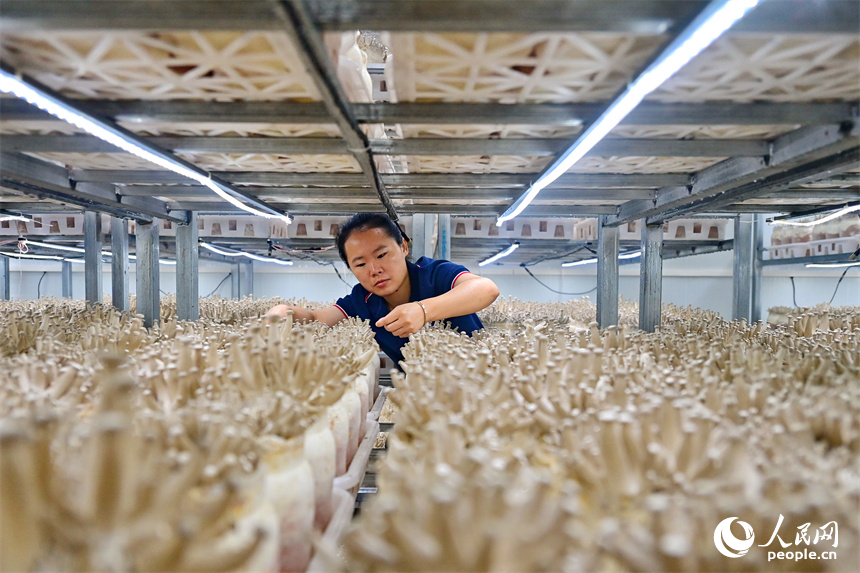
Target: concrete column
<point>148,279</point>
<point>93,257</point>
<point>119,263</point>
<point>607,274</point>
<point>66,278</point>
<point>651,278</point>
<point>443,245</point>
<point>5,293</point>
<point>187,289</point>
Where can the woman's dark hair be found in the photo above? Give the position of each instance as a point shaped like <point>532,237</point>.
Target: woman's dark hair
<point>365,222</point>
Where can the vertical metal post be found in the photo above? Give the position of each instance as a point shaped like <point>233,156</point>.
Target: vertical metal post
<point>419,244</point>
<point>242,279</point>
<point>742,274</point>
<point>5,293</point>
<point>187,289</point>
<point>246,279</point>
<point>607,274</point>
<point>443,245</point>
<point>651,277</point>
<point>92,257</point>
<point>66,279</point>
<point>235,278</point>
<point>147,273</point>
<point>757,248</point>
<point>119,263</point>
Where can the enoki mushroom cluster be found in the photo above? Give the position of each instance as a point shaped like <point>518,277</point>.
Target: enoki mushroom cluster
<point>542,448</point>
<point>193,446</point>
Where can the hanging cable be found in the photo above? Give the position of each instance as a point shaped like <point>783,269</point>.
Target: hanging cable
<point>525,268</point>
<point>39,286</point>
<point>219,284</point>
<point>837,284</point>
<point>793,292</point>
<point>307,256</point>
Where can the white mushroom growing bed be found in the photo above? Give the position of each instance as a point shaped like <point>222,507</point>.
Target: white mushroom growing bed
<point>542,447</point>
<point>195,446</point>
<point>540,444</point>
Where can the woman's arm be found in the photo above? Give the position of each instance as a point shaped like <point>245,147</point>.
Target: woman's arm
<point>330,315</point>
<point>470,294</point>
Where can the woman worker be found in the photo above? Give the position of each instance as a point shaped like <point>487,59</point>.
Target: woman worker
<point>396,296</point>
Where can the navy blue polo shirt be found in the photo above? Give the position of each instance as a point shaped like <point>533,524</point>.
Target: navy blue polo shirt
<point>427,278</point>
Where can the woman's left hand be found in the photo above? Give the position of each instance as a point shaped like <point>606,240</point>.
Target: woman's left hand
<point>404,320</point>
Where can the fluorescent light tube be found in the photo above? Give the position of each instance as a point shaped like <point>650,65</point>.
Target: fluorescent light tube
<point>28,256</point>
<point>621,257</point>
<point>831,265</point>
<point>830,217</point>
<point>578,263</point>
<point>59,247</point>
<point>221,251</point>
<point>11,84</point>
<point>498,256</point>
<point>718,17</point>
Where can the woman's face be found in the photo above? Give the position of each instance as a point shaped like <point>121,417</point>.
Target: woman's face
<point>377,261</point>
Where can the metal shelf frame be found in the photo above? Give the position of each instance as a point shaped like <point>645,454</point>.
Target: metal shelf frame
<point>754,176</point>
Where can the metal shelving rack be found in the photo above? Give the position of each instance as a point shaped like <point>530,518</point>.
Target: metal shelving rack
<point>810,161</point>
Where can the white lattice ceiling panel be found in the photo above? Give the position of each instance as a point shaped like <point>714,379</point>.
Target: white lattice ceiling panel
<point>765,132</point>
<point>488,131</point>
<point>512,68</point>
<point>216,129</point>
<point>517,164</point>
<point>130,65</point>
<point>24,127</point>
<point>755,67</point>
<point>475,164</point>
<point>643,164</point>
<point>266,162</point>
<point>97,160</point>
<point>789,201</point>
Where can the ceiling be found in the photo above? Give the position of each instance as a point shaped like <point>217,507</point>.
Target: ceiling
<point>475,98</point>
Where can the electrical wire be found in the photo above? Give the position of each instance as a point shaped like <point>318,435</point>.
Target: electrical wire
<point>39,286</point>
<point>307,256</point>
<point>219,284</point>
<point>838,283</point>
<point>525,268</point>
<point>794,292</point>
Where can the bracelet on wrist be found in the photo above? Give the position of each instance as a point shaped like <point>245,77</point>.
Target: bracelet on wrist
<point>424,308</point>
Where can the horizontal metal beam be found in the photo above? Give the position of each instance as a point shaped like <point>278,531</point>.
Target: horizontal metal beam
<point>818,194</point>
<point>670,251</point>
<point>625,16</point>
<point>338,193</point>
<point>771,208</point>
<point>567,181</point>
<point>548,147</point>
<point>347,208</point>
<point>800,155</point>
<point>45,180</point>
<point>817,260</point>
<point>418,146</point>
<point>492,180</point>
<point>571,114</point>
